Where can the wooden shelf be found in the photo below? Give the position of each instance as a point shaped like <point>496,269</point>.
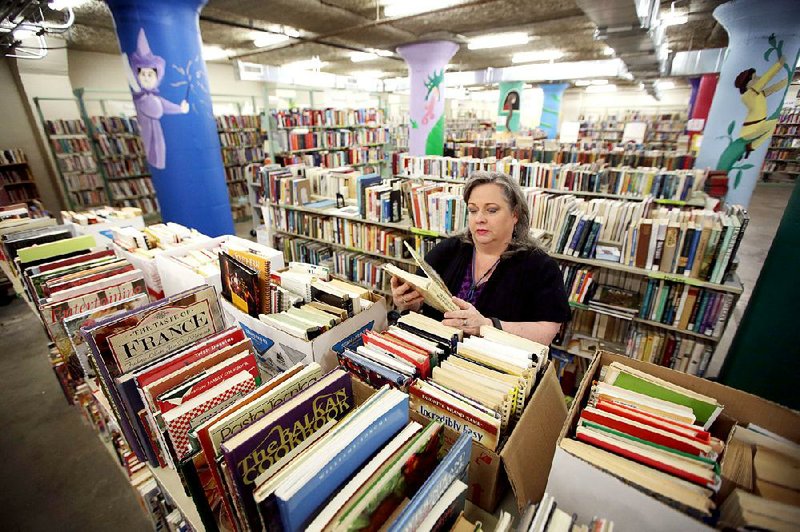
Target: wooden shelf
<point>132,176</point>
<point>70,136</point>
<point>336,148</point>
<point>348,248</point>
<point>732,286</point>
<point>357,126</point>
<point>7,165</point>
<point>115,157</point>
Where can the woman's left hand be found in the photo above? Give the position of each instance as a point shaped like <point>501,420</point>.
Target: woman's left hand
<point>467,318</point>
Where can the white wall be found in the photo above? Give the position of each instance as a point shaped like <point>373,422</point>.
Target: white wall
<point>18,131</point>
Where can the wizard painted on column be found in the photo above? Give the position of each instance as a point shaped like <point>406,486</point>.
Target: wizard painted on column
<point>145,73</point>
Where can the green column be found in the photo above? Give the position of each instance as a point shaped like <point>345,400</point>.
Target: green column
<point>764,357</point>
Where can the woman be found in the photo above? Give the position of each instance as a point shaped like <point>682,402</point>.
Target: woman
<point>500,276</point>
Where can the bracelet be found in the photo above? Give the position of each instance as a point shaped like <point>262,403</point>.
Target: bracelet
<point>496,323</point>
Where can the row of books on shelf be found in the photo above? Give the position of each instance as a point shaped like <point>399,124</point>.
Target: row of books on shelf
<point>83,181</point>
<point>333,139</point>
<point>65,127</point>
<point>789,117</point>
<point>698,244</point>
<point>12,176</point>
<point>20,194</point>
<point>776,154</point>
<point>233,122</point>
<point>236,156</point>
<point>437,207</point>
<point>78,146</point>
<point>240,173</point>
<point>784,143</point>
<point>12,156</point>
<point>115,125</point>
<point>110,146</point>
<point>87,198</point>
<point>128,167</point>
<point>77,163</point>
<point>230,139</point>
<point>131,187</point>
<point>787,130</point>
<point>148,204</point>
<point>237,189</point>
<point>328,117</point>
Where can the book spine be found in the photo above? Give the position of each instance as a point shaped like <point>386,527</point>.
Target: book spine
<point>745,220</point>
<point>687,270</point>
<point>725,309</point>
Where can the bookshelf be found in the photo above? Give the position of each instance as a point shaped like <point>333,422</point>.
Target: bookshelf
<point>663,129</point>
<point>71,148</point>
<point>119,149</point>
<point>17,184</point>
<point>782,162</point>
<point>242,142</point>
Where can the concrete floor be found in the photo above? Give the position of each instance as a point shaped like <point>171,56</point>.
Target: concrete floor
<point>58,475</point>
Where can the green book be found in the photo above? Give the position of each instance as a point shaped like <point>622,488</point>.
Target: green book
<point>54,249</point>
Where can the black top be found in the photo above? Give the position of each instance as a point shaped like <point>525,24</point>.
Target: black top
<point>527,286</point>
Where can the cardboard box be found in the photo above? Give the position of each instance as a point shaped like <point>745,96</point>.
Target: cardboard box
<point>102,231</point>
<point>279,351</point>
<point>523,462</point>
<point>176,278</point>
<point>589,491</point>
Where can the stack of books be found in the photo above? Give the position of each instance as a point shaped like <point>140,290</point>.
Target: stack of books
<point>653,434</point>
<point>547,516</point>
<point>477,386</point>
<point>148,241</point>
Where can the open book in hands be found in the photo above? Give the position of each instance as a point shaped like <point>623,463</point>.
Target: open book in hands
<point>432,287</point>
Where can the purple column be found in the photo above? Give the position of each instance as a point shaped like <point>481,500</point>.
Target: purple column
<point>427,62</point>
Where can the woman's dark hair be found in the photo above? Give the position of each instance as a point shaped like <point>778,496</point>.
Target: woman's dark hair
<point>743,79</point>
<point>521,239</point>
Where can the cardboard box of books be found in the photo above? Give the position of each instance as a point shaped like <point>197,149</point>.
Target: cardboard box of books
<point>649,490</point>
<point>188,266</point>
<point>523,461</point>
<point>278,350</point>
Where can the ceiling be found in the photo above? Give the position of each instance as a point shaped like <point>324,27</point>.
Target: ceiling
<point>333,29</point>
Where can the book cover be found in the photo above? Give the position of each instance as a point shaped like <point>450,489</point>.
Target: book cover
<point>383,420</point>
<point>255,448</point>
<point>262,266</point>
<point>452,467</point>
<point>670,244</point>
<point>240,284</point>
<point>371,372</point>
<point>643,243</point>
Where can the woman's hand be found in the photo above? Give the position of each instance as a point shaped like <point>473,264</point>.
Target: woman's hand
<point>467,318</point>
<point>404,296</point>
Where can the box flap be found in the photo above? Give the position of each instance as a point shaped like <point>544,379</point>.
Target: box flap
<point>528,453</point>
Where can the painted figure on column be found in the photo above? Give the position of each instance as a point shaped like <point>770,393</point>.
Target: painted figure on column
<point>433,96</point>
<point>510,105</point>
<point>145,74</point>
<point>758,126</point>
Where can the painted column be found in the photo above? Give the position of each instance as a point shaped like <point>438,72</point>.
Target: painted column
<point>509,106</point>
<point>427,62</point>
<point>764,41</point>
<point>694,83</point>
<point>551,107</point>
<point>706,86</point>
<point>162,54</point>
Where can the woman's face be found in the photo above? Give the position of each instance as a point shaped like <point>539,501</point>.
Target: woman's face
<point>148,79</point>
<point>489,215</point>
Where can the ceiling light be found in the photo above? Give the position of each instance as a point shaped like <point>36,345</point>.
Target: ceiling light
<point>404,8</point>
<point>665,85</point>
<point>384,53</point>
<point>583,82</point>
<point>599,82</point>
<point>306,64</point>
<point>497,40</point>
<point>24,32</point>
<point>608,51</point>
<point>674,20</point>
<point>263,39</point>
<point>213,53</point>
<point>64,4</point>
<point>360,57</point>
<point>371,74</point>
<point>601,88</point>
<point>536,56</point>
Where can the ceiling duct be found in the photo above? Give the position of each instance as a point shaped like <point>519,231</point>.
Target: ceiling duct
<point>698,62</point>
<point>630,28</point>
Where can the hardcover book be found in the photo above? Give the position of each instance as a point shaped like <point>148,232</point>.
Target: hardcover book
<point>240,284</point>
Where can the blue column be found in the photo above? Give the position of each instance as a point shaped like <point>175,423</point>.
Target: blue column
<point>162,52</point>
<point>551,107</point>
<point>763,45</point>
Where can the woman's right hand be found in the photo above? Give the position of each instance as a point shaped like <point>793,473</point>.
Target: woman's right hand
<point>404,296</point>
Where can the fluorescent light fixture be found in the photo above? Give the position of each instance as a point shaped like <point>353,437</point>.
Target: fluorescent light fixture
<point>404,8</point>
<point>674,20</point>
<point>360,57</point>
<point>601,88</point>
<point>536,56</point>
<point>263,39</point>
<point>371,74</point>
<point>599,82</point>
<point>583,82</point>
<point>64,4</point>
<point>285,93</point>
<point>213,52</point>
<point>384,53</point>
<point>665,84</point>
<point>306,64</point>
<point>497,40</point>
<point>24,32</point>
<point>608,51</point>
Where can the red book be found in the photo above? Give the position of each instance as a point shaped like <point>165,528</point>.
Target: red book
<point>657,421</point>
<point>645,432</point>
<point>74,260</point>
<point>422,361</point>
<point>52,288</point>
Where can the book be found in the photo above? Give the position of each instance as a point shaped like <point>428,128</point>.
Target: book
<point>240,284</point>
<point>253,449</point>
<point>262,266</point>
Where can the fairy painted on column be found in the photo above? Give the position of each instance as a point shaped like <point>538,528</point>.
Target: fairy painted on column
<point>145,73</point>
